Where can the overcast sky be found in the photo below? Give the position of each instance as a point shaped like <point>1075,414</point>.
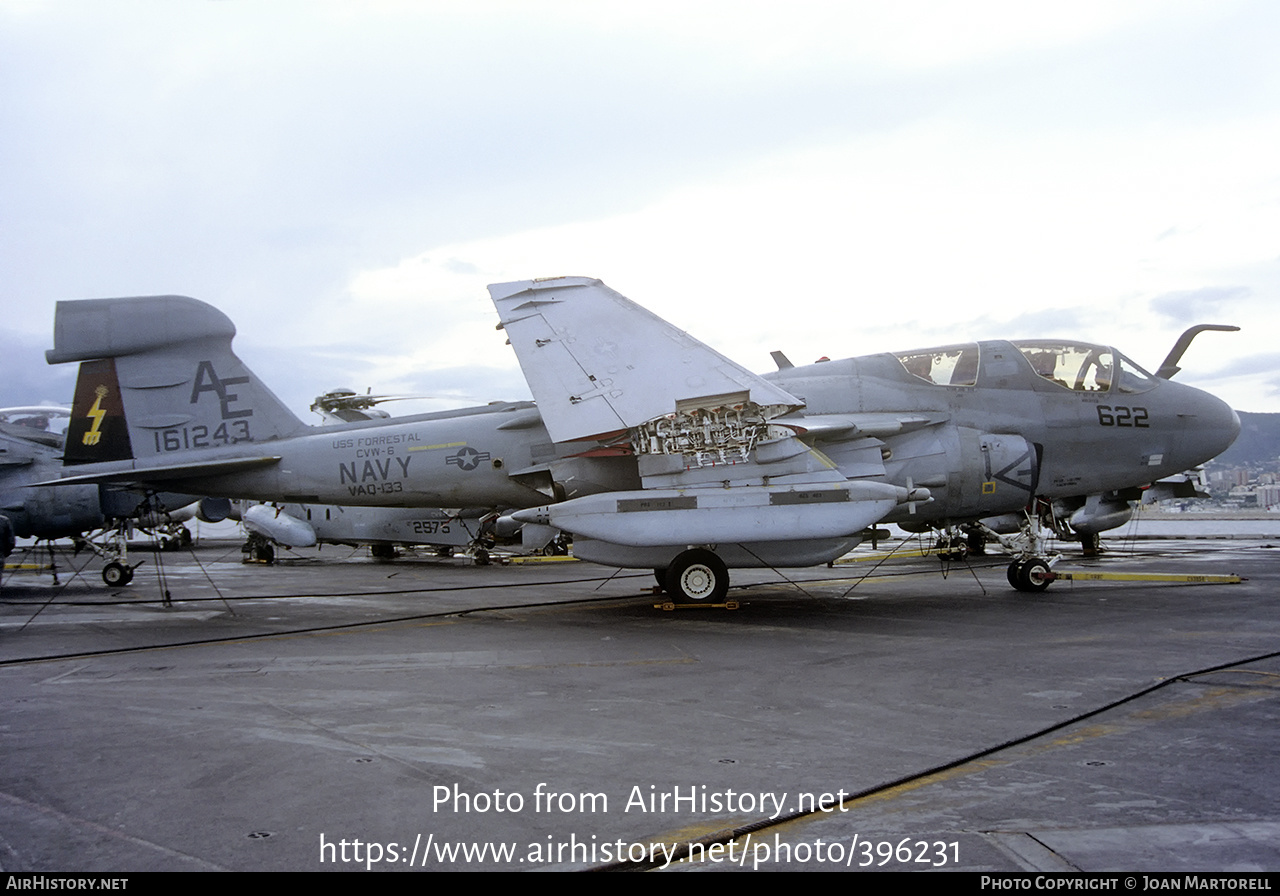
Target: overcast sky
<point>343,179</point>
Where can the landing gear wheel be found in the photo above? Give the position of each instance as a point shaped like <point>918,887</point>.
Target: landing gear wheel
<point>264,553</point>
<point>481,557</point>
<point>1014,574</point>
<point>697,576</point>
<point>1034,576</point>
<point>116,574</point>
<point>661,576</point>
<point>1030,576</point>
<point>382,551</point>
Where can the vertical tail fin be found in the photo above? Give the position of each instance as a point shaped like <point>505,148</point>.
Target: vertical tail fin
<point>158,379</point>
<point>97,431</point>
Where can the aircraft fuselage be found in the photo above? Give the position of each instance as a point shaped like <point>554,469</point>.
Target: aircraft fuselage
<point>461,459</point>
<point>1005,432</point>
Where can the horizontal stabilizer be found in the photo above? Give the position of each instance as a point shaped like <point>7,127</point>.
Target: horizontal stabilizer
<point>202,470</point>
<point>87,329</point>
<point>598,363</point>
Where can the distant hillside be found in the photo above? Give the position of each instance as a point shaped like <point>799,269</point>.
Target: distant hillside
<point>1259,441</point>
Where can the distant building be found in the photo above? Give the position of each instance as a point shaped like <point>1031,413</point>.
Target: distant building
<point>1269,496</point>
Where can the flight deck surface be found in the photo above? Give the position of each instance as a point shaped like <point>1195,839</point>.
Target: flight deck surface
<point>446,716</point>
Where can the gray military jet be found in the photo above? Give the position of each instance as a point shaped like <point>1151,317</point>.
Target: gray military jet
<point>652,449</point>
<point>31,450</point>
<point>383,529</point>
<point>162,400</point>
<point>386,529</point>
<point>788,469</point>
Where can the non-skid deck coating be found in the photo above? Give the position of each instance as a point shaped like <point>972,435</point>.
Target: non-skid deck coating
<point>545,715</point>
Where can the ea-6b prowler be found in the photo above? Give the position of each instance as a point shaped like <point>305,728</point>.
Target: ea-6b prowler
<point>652,449</point>
<point>789,469</point>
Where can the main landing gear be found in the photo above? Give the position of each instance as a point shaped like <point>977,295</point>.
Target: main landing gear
<point>695,576</point>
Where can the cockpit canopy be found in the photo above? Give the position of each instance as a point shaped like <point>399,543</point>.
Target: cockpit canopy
<point>1078,366</point>
<point>949,365</point>
<point>1082,367</point>
<point>40,418</point>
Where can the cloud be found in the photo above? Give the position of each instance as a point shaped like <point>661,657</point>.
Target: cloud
<point>1266,363</point>
<point>1197,305</point>
<point>835,179</point>
<point>26,379</point>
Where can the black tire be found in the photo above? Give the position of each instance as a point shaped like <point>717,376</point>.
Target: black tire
<point>1014,574</point>
<point>1034,576</point>
<point>697,576</point>
<point>481,557</point>
<point>116,574</point>
<point>661,576</point>
<point>382,551</point>
<point>264,552</point>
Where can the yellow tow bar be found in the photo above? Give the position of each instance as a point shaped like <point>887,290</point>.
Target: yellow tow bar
<point>1082,576</point>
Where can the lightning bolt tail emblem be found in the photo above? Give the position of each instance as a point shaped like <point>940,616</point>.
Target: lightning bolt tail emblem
<point>94,435</point>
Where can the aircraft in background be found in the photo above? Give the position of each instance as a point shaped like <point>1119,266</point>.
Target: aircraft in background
<point>30,452</point>
<point>384,530</point>
<point>650,448</point>
<point>788,469</point>
<point>387,529</point>
<point>161,400</point>
<point>31,449</point>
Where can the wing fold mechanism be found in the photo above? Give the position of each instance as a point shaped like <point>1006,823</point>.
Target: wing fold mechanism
<point>716,462</point>
<point>716,465</point>
<point>598,363</point>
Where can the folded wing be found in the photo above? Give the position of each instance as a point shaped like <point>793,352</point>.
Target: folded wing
<point>598,363</point>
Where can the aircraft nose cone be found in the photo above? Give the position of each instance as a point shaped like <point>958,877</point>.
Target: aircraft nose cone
<point>1209,426</point>
<point>1230,426</point>
<point>1222,425</point>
